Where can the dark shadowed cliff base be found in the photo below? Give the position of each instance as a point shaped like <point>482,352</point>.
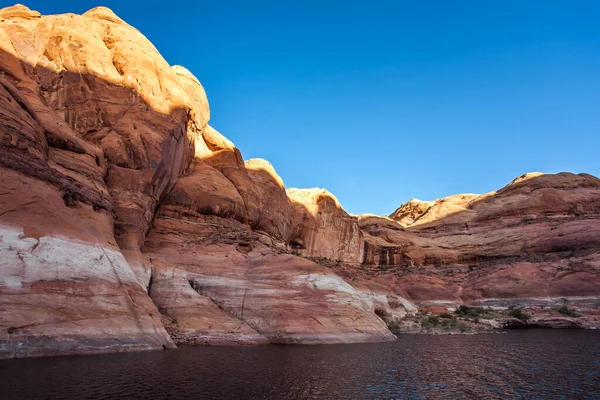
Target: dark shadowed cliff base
<point>128,223</point>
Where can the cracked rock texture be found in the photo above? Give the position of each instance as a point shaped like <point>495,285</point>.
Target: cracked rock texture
<point>128,223</point>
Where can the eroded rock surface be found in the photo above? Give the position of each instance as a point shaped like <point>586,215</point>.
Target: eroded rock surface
<point>535,240</point>
<point>127,222</point>
<point>105,147</point>
<point>324,229</point>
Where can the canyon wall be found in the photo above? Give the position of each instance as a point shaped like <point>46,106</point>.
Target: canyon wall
<point>537,240</point>
<point>127,222</point>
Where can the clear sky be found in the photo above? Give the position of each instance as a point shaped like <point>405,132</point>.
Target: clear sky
<point>382,101</point>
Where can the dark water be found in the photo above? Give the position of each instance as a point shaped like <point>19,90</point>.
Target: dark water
<point>525,364</point>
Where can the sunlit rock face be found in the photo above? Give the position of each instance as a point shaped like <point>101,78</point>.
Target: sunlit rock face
<point>101,91</point>
<point>221,237</point>
<point>108,163</point>
<point>96,128</point>
<point>324,229</point>
<point>535,240</point>
<point>127,222</point>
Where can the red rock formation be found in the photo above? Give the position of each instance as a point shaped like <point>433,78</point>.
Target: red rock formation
<point>324,229</point>
<point>122,213</point>
<point>102,140</point>
<point>537,239</point>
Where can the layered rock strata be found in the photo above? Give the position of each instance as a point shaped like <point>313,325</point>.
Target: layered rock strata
<point>127,222</point>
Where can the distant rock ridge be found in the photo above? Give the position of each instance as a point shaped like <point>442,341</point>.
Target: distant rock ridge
<point>127,222</point>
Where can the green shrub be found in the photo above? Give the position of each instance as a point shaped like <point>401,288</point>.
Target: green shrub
<point>519,314</point>
<point>393,326</point>
<point>453,323</point>
<point>461,310</point>
<point>449,324</point>
<point>470,312</point>
<point>430,322</point>
<point>569,312</point>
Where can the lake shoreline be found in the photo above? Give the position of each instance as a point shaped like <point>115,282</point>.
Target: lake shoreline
<point>535,363</point>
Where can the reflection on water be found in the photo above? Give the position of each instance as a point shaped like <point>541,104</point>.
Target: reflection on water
<point>523,364</point>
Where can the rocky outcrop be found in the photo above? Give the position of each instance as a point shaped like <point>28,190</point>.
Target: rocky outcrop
<point>278,296</point>
<point>127,222</point>
<point>536,238</point>
<point>108,164</point>
<point>96,128</point>
<point>416,212</point>
<point>324,229</point>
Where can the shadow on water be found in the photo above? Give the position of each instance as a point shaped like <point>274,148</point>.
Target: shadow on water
<point>519,364</point>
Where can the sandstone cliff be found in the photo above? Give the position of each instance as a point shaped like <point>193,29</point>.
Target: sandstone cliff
<point>128,223</point>
<point>538,238</point>
<point>118,198</point>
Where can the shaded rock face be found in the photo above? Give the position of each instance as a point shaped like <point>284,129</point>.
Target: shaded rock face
<point>323,228</point>
<point>537,238</point>
<point>127,222</point>
<point>116,118</point>
<point>279,297</point>
<point>82,167</point>
<point>108,164</point>
<point>255,291</point>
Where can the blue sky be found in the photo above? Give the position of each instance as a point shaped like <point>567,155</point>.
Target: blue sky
<point>383,101</point>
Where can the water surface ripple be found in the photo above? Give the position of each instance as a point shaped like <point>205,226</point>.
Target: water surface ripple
<point>528,364</point>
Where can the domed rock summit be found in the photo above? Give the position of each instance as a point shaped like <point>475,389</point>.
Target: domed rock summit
<point>127,222</point>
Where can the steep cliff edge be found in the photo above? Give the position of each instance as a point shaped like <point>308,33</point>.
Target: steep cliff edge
<point>114,187</point>
<point>127,222</point>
